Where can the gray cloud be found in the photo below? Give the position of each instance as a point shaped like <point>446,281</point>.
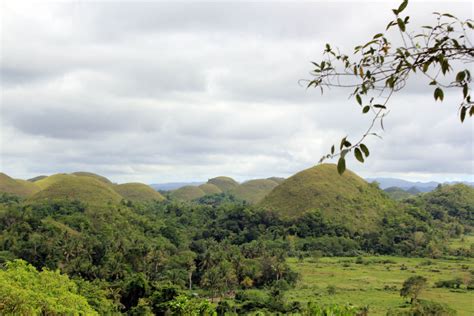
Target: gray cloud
<point>185,91</point>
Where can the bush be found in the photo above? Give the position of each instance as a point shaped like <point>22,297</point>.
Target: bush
<point>331,289</point>
<point>451,284</point>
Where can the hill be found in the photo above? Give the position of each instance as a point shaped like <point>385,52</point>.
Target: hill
<point>224,183</point>
<point>347,200</point>
<point>92,175</point>
<point>210,188</point>
<point>17,187</point>
<point>169,186</point>
<point>188,193</point>
<point>253,191</point>
<point>450,201</point>
<point>137,192</point>
<point>397,193</point>
<point>37,178</point>
<point>83,188</point>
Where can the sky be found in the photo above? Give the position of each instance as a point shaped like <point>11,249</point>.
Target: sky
<point>184,91</point>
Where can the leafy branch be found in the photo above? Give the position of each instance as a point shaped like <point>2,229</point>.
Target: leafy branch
<point>381,70</point>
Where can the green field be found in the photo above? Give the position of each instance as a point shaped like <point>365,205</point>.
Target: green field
<point>377,281</point>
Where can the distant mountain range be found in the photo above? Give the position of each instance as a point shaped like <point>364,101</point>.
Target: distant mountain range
<point>385,183</point>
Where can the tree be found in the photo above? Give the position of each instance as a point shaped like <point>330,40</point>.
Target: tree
<point>412,287</point>
<point>26,291</point>
<point>381,69</point>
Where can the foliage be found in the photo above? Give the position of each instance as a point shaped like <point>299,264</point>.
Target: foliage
<point>412,287</point>
<point>24,290</point>
<point>382,68</point>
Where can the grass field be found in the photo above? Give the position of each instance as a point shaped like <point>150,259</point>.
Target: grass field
<point>378,280</point>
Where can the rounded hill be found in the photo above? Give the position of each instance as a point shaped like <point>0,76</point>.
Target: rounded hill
<point>210,188</point>
<point>253,191</point>
<point>85,189</point>
<point>224,183</point>
<point>347,200</point>
<point>17,187</point>
<point>92,175</point>
<point>137,192</point>
<point>188,193</point>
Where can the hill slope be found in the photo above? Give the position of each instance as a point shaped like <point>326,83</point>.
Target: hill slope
<point>224,183</point>
<point>346,199</point>
<point>210,188</point>
<point>17,187</point>
<point>137,192</point>
<point>451,200</point>
<point>188,193</point>
<point>86,189</point>
<point>92,175</point>
<point>253,191</point>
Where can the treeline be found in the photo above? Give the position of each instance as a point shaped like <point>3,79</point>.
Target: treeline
<point>151,257</point>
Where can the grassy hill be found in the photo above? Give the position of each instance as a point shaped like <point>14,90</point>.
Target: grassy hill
<point>348,199</point>
<point>92,175</point>
<point>137,192</point>
<point>188,193</point>
<point>210,188</point>
<point>86,189</point>
<point>17,187</point>
<point>224,183</point>
<point>37,178</point>
<point>277,179</point>
<point>253,191</point>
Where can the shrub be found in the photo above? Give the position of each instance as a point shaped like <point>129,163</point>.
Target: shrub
<point>451,284</point>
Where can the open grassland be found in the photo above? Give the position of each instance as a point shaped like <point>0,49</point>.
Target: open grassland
<point>376,281</point>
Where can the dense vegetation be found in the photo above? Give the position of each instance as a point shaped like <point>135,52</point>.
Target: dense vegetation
<point>217,254</point>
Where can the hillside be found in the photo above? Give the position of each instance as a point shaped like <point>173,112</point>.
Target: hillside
<point>92,175</point>
<point>86,189</point>
<point>224,183</point>
<point>451,200</point>
<point>137,192</point>
<point>397,193</point>
<point>188,193</point>
<point>17,187</point>
<point>253,191</point>
<point>210,188</point>
<point>348,199</point>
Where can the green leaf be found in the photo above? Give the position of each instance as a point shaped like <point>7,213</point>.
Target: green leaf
<point>465,90</point>
<point>366,109</point>
<point>347,143</point>
<point>401,24</point>
<point>359,99</point>
<point>463,113</point>
<point>358,155</point>
<point>402,6</point>
<point>460,76</point>
<point>341,165</point>
<point>438,94</point>
<point>380,106</point>
<point>378,35</point>
<point>364,149</point>
<point>332,150</point>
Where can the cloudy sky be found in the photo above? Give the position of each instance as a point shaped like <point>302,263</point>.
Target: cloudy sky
<point>180,91</point>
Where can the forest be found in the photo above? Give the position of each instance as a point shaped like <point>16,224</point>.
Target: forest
<point>218,255</point>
